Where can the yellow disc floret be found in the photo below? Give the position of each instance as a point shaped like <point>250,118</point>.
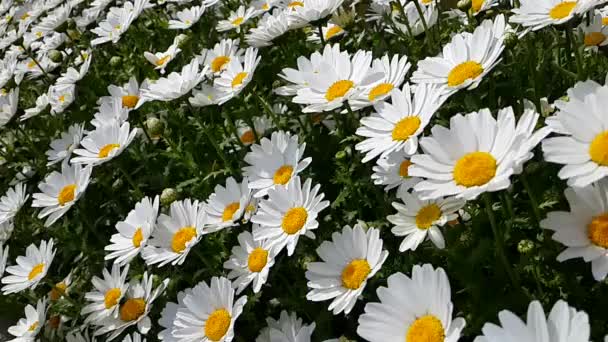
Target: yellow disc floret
<point>181,238</point>
<point>294,220</point>
<point>132,309</point>
<point>36,270</point>
<point>427,328</point>
<point>405,128</point>
<point>464,71</point>
<point>229,211</point>
<point>111,297</point>
<point>355,273</point>
<point>562,10</point>
<point>474,169</point>
<point>597,230</point>
<point>427,215</point>
<point>338,89</point>
<point>282,175</point>
<point>598,150</point>
<point>257,259</point>
<point>217,324</point>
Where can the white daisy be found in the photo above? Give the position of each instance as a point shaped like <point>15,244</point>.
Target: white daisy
<point>186,18</point>
<point>329,32</point>
<point>72,75</point>
<point>30,268</point>
<point>246,133</point>
<point>12,201</point>
<point>205,96</point>
<point>417,219</point>
<point>223,52</point>
<point>105,143</point>
<point>42,102</point>
<point>269,28</point>
<point>3,258</point>
<point>209,312</point>
<point>312,10</point>
<point>118,21</point>
<point>583,148</point>
<point>8,105</point>
<point>161,60</point>
<point>133,232</point>
<point>479,6</point>
<point>6,230</point>
<point>128,94</point>
<point>584,229</point>
<point>349,260</point>
<point>236,19</point>
<point>176,233</point>
<point>288,328</point>
<point>111,111</point>
<point>595,34</point>
<point>416,26</point>
<point>226,205</point>
<point>28,328</point>
<point>62,148</point>
<point>61,96</point>
<point>415,309</point>
<point>564,323</point>
<point>466,59</point>
<point>250,262</point>
<point>274,162</point>
<point>106,297</point>
<point>476,154</point>
<point>393,172</point>
<point>135,308</point>
<point>299,77</point>
<point>168,315</point>
<point>60,191</point>
<point>538,14</point>
<point>288,213</point>
<point>236,76</point>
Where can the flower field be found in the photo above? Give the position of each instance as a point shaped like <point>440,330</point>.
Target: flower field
<point>306,170</point>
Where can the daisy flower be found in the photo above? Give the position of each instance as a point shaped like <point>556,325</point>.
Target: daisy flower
<point>61,96</point>
<point>236,19</point>
<point>349,260</point>
<point>168,315</point>
<point>466,59</point>
<point>223,52</point>
<point>274,162</point>
<point>176,233</point>
<point>476,154</point>
<point>329,32</point>
<point>108,293</point>
<point>134,308</point>
<point>61,288</point>
<point>209,312</point>
<point>538,14</point>
<point>394,71</point>
<point>583,229</point>
<point>161,60</point>
<point>246,133</point>
<point>3,258</point>
<point>564,323</point>
<point>250,262</point>
<point>8,105</point>
<point>312,10</point>
<point>186,18</point>
<point>583,147</point>
<point>595,34</point>
<point>226,205</point>
<point>110,112</point>
<point>128,94</point>
<point>12,201</point>
<point>118,21</point>
<point>62,148</point>
<point>133,232</point>
<point>269,28</point>
<point>289,328</point>
<point>288,213</point>
<point>30,269</point>
<point>28,328</point>
<point>338,81</point>
<point>175,85</point>
<point>104,143</point>
<point>72,75</point>
<point>60,191</point>
<point>396,126</point>
<point>412,16</point>
<point>393,172</point>
<point>417,219</point>
<point>205,96</point>
<point>299,77</point>
<point>417,308</point>
<point>236,76</point>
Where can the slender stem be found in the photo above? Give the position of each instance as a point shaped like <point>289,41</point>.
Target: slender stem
<point>423,20</point>
<point>533,201</point>
<point>217,148</point>
<point>233,129</point>
<point>320,27</point>
<point>267,109</point>
<point>406,21</point>
<point>44,73</point>
<point>143,127</point>
<point>577,54</point>
<point>138,192</point>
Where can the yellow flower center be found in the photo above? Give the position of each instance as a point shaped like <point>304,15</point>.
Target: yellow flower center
<point>238,21</point>
<point>332,31</point>
<point>66,194</point>
<point>294,4</point>
<point>257,259</point>
<point>38,34</point>
<point>129,101</point>
<point>562,10</point>
<point>427,215</point>
<point>338,89</point>
<point>58,290</point>
<point>61,98</point>
<point>355,273</point>
<point>31,64</point>
<point>265,7</point>
<point>132,309</point>
<point>25,16</point>
<point>427,328</point>
<point>248,137</point>
<point>229,211</point>
<point>594,38</point>
<point>598,150</point>
<point>380,90</point>
<point>464,71</point>
<point>218,63</point>
<point>476,5</point>
<point>294,220</point>
<point>36,270</point>
<point>605,21</point>
<point>110,298</point>
<point>282,175</point>
<point>405,128</point>
<point>426,2</point>
<point>105,151</point>
<point>33,327</point>
<point>474,169</point>
<point>181,238</point>
<point>217,324</point>
<point>137,237</point>
<point>238,79</point>
<point>404,168</point>
<point>161,61</point>
<point>188,22</point>
<point>597,230</point>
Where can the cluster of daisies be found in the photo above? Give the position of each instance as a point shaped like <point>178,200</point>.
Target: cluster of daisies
<point>434,168</point>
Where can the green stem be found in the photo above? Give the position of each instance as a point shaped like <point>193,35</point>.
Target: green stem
<point>320,27</point>
<point>406,21</point>
<point>135,187</point>
<point>533,201</point>
<point>577,54</point>
<point>423,20</point>
<point>217,148</point>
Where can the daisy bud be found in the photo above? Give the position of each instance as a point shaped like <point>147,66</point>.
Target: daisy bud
<point>511,40</point>
<point>115,61</point>
<point>340,154</point>
<point>181,40</point>
<point>55,56</point>
<point>464,5</point>
<point>73,34</point>
<point>155,127</point>
<point>525,246</point>
<point>168,196</point>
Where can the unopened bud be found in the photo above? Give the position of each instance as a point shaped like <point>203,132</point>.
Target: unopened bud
<point>168,196</point>
<point>510,40</point>
<point>155,127</point>
<point>115,61</point>
<point>55,56</point>
<point>525,246</point>
<point>464,5</point>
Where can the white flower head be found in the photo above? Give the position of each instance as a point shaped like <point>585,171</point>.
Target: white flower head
<point>237,75</point>
<point>62,148</point>
<point>29,327</point>
<point>8,105</point>
<point>288,328</point>
<point>161,60</point>
<point>236,19</point>
<point>393,172</point>
<point>12,201</point>
<point>218,58</point>
<point>538,14</point>
<point>226,205</point>
<point>186,18</point>
<point>30,269</point>
<point>106,297</point>
<point>104,143</point>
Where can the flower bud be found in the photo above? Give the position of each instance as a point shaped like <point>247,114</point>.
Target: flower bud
<point>510,40</point>
<point>168,196</point>
<point>155,127</point>
<point>55,56</point>
<point>464,5</point>
<point>525,246</point>
<point>115,61</point>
